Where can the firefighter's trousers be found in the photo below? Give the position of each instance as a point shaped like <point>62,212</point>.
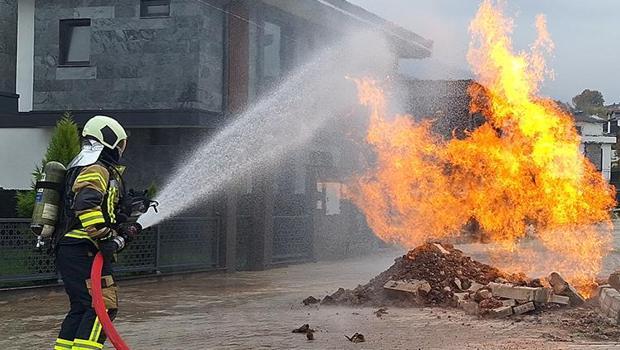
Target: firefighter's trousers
<point>81,329</point>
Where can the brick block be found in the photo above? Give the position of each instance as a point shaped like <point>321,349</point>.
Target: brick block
<point>609,303</point>
<point>523,308</point>
<point>559,299</point>
<point>614,280</point>
<point>475,286</point>
<point>561,287</point>
<point>413,287</point>
<point>542,295</point>
<point>509,302</point>
<point>501,312</point>
<point>509,291</point>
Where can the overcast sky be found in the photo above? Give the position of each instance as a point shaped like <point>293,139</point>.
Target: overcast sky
<point>586,36</point>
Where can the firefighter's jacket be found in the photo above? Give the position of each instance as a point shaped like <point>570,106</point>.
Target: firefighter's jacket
<point>92,195</point>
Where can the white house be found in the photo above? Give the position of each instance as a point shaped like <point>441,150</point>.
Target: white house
<point>595,142</point>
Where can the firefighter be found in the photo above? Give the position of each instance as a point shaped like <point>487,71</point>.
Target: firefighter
<point>92,220</point>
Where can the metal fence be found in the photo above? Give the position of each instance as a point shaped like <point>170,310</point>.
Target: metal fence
<point>291,241</point>
<point>178,244</point>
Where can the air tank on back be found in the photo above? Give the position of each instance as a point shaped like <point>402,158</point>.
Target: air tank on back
<point>47,200</point>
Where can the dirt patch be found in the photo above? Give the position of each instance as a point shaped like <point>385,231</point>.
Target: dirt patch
<point>586,322</point>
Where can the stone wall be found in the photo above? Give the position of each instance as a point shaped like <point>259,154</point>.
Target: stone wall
<point>8,45</point>
<point>173,62</point>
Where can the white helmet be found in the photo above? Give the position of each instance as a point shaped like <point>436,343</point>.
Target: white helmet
<point>107,131</point>
<point>100,132</point>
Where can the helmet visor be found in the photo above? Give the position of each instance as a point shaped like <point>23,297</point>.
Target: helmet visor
<point>122,145</point>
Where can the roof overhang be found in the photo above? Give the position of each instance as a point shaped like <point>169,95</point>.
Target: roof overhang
<point>338,14</point>
<point>128,118</point>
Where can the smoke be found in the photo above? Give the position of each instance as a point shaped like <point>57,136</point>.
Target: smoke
<point>280,122</point>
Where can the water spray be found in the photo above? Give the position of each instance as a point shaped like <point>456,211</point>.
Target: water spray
<point>283,120</point>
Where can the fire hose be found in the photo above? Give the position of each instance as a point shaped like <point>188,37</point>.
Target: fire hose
<point>99,305</point>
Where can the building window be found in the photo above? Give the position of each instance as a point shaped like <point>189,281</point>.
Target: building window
<point>272,60</point>
<point>154,8</point>
<point>75,42</point>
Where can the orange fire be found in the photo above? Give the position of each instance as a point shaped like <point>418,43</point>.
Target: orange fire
<point>520,176</point>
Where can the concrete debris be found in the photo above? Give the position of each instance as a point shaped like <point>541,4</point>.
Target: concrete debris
<point>501,312</point>
<point>469,306</point>
<point>414,286</point>
<point>380,312</point>
<point>609,303</point>
<point>457,297</point>
<point>303,329</point>
<point>311,300</point>
<point>614,280</point>
<point>523,308</point>
<point>508,291</point>
<point>561,287</point>
<point>356,338</point>
<point>429,262</point>
<point>458,284</point>
<point>475,286</point>
<point>439,274</point>
<point>482,294</point>
<point>509,302</point>
<point>441,248</point>
<point>559,299</point>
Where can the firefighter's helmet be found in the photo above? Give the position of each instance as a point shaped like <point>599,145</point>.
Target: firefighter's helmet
<point>107,131</point>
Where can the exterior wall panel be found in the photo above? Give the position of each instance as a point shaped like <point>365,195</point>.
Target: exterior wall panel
<point>173,62</point>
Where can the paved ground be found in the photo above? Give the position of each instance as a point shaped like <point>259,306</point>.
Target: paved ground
<point>258,310</point>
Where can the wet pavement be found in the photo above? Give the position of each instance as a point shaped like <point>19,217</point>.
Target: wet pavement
<point>258,310</point>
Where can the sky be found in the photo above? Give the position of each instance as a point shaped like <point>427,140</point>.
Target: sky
<point>586,36</point>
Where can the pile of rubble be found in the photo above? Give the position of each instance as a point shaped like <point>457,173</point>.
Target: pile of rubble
<point>436,274</point>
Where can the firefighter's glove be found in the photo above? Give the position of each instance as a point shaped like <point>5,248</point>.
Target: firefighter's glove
<point>129,231</point>
<point>110,246</point>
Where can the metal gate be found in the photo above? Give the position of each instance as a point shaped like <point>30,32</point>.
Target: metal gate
<point>292,238</point>
<point>180,244</point>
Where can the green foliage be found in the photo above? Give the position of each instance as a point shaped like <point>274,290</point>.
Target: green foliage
<point>65,142</point>
<point>151,191</point>
<point>25,203</point>
<point>590,102</point>
<point>63,147</point>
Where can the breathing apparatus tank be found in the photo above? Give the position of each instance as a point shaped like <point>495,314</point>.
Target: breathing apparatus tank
<point>47,201</point>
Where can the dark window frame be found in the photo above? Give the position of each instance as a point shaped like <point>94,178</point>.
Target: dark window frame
<point>288,33</point>
<point>65,41</point>
<point>144,5</point>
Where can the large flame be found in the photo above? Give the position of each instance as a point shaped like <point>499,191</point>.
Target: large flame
<point>520,176</point>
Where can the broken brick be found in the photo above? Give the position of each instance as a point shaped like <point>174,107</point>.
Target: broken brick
<point>561,287</point>
<point>559,299</point>
<point>470,307</point>
<point>475,286</point>
<point>523,308</point>
<point>414,286</point>
<point>500,312</point>
<point>509,291</point>
<point>483,294</point>
<point>609,303</point>
<point>509,302</point>
<point>441,248</point>
<point>614,280</point>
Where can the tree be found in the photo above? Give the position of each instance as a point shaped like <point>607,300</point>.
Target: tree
<point>590,102</point>
<point>63,147</point>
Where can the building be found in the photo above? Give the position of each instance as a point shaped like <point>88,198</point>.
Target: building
<point>596,143</point>
<point>173,72</point>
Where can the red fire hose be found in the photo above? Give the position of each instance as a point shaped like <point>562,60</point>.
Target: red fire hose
<point>99,305</point>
